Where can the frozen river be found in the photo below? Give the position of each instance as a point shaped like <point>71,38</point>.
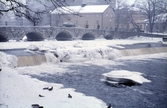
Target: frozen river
<point>85,78</point>
<point>79,73</point>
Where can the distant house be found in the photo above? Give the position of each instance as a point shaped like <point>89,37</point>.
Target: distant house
<point>160,23</point>
<point>138,18</point>
<point>130,21</point>
<point>89,16</point>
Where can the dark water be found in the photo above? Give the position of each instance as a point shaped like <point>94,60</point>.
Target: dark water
<point>86,79</point>
<point>21,52</point>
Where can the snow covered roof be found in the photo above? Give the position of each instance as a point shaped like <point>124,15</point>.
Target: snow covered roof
<point>79,9</point>
<point>161,18</point>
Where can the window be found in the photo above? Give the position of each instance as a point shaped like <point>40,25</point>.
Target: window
<point>97,15</point>
<point>86,21</point>
<point>76,22</point>
<point>97,21</point>
<point>111,15</point>
<point>87,25</point>
<point>107,15</point>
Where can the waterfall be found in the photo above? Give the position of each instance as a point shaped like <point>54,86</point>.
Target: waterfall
<point>142,51</point>
<point>31,60</point>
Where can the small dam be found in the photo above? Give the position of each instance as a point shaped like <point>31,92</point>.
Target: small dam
<point>142,51</point>
<point>33,58</point>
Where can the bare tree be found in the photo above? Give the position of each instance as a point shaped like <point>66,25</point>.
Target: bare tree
<point>121,17</point>
<point>34,17</point>
<point>124,15</point>
<point>132,21</point>
<point>151,8</point>
<point>121,11</point>
<point>15,5</point>
<point>21,9</point>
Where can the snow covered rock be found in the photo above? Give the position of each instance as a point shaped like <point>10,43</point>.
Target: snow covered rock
<point>33,48</point>
<point>124,77</point>
<point>50,58</point>
<point>79,45</point>
<point>24,38</point>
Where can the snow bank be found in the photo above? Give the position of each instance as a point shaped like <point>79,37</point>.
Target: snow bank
<point>8,60</point>
<point>143,38</point>
<point>18,91</point>
<point>21,91</point>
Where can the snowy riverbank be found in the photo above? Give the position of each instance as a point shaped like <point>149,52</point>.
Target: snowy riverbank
<point>21,91</point>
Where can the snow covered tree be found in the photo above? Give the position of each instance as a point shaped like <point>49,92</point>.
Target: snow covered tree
<point>25,8</point>
<point>20,5</point>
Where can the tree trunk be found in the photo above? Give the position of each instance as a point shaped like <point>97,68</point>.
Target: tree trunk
<point>151,27</point>
<point>34,24</point>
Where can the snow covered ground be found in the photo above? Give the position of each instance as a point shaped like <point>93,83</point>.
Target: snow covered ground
<point>18,90</point>
<point>21,91</point>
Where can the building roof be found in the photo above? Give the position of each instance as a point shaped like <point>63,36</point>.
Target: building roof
<point>161,18</point>
<point>79,9</point>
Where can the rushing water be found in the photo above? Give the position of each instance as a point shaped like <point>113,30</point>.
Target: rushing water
<point>32,58</point>
<point>26,57</point>
<point>86,79</point>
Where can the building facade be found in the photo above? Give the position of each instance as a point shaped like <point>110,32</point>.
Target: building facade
<point>89,16</point>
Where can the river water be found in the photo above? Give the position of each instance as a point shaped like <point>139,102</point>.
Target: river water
<point>86,79</point>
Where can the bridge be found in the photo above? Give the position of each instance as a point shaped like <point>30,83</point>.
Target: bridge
<point>38,33</point>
